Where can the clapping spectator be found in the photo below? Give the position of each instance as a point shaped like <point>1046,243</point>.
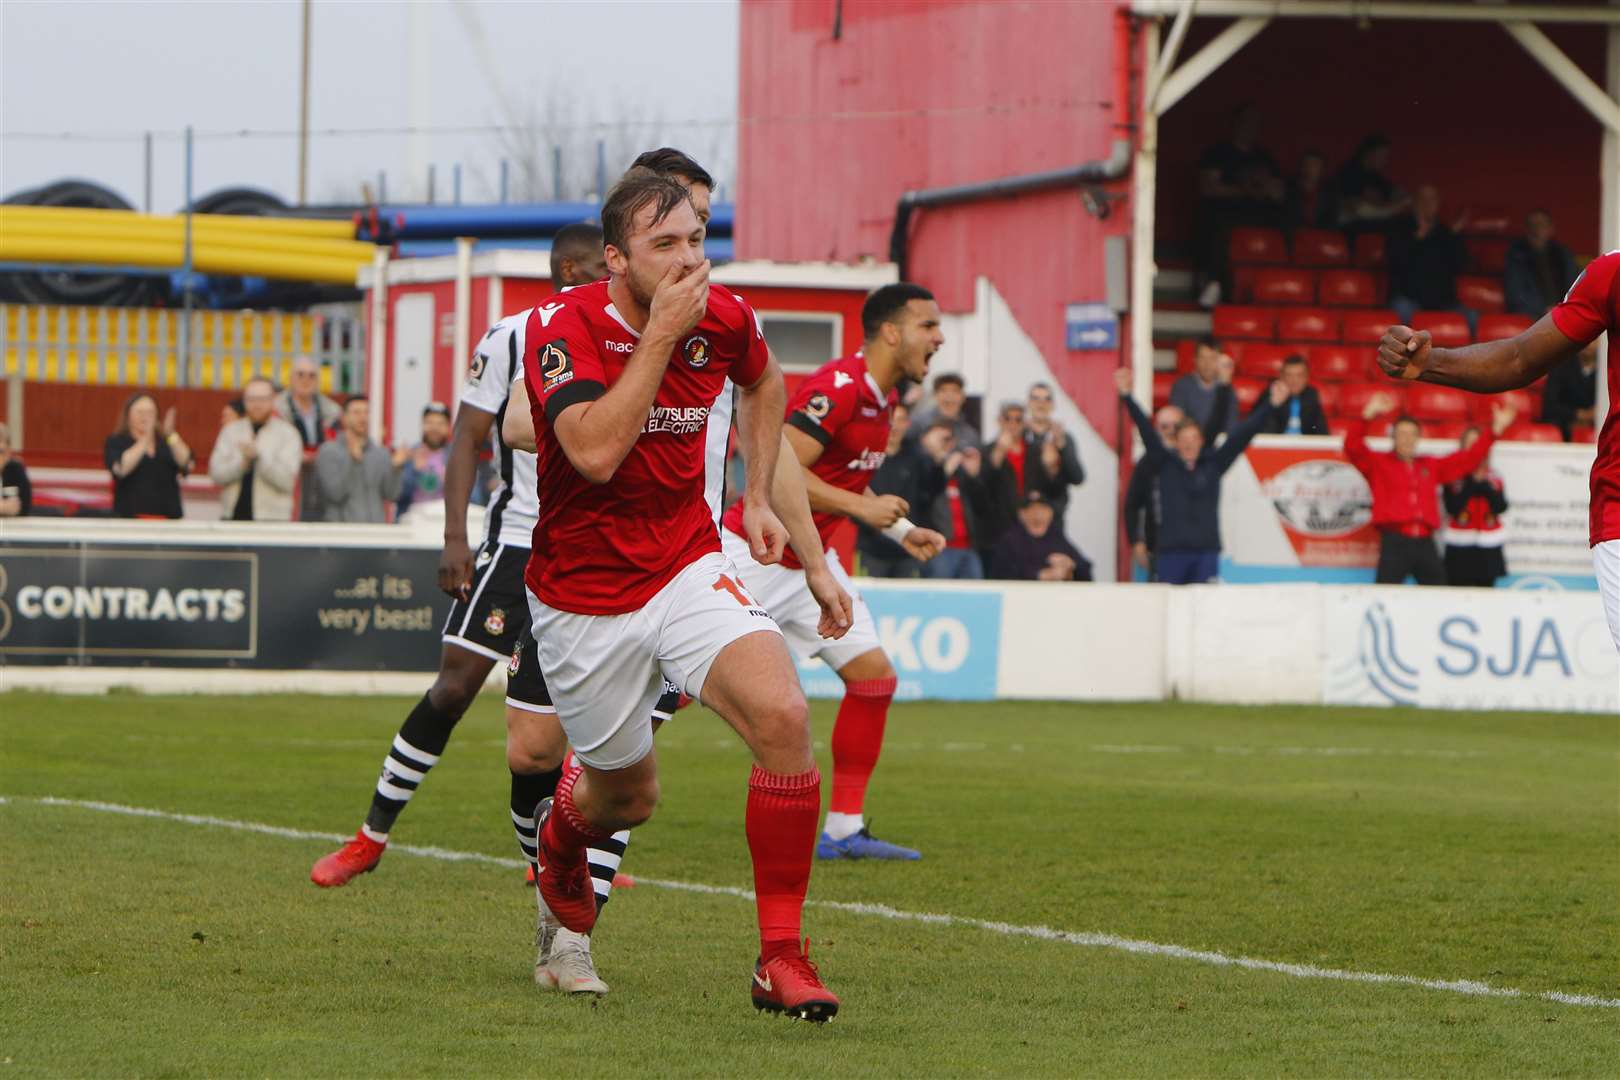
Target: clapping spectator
<point>147,460</point>
<point>908,473</point>
<point>358,478</point>
<point>423,478</point>
<point>1570,398</point>
<point>1405,504</point>
<point>1474,534</point>
<point>1035,549</point>
<point>1050,445</point>
<point>316,416</point>
<point>961,508</point>
<point>950,397</point>
<point>1189,478</point>
<point>256,459</point>
<point>16,493</point>
<point>1539,270</point>
<point>1142,496</point>
<point>1425,257</point>
<point>230,412</point>
<point>1238,184</point>
<point>1301,413</point>
<point>1364,197</point>
<point>1204,394</point>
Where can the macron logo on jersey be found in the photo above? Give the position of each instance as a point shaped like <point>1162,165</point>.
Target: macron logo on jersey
<point>547,312</point>
<point>842,379</point>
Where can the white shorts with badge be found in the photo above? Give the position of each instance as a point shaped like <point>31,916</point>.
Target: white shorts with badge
<point>606,672</point>
<point>1606,564</point>
<point>788,599</point>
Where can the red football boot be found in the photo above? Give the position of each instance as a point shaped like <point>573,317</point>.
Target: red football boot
<point>790,984</point>
<point>566,891</point>
<point>359,856</point>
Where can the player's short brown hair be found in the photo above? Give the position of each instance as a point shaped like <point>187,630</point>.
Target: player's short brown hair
<point>637,189</point>
<point>668,161</point>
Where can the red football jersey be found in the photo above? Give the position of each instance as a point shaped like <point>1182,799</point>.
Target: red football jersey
<point>840,407</point>
<point>606,549</point>
<point>1593,306</point>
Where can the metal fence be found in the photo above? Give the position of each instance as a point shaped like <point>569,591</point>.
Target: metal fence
<point>141,346</point>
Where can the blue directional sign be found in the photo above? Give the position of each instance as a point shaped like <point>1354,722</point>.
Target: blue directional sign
<point>1091,326</point>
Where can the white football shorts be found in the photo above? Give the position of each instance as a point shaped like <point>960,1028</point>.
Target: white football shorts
<point>788,599</point>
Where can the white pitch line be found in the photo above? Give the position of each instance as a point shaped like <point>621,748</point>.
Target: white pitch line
<point>882,911</point>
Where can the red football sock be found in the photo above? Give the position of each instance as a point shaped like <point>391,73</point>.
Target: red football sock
<point>781,824</point>
<point>857,739</point>
<point>567,834</point>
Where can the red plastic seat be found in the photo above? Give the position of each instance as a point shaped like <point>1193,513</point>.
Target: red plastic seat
<point>1320,247</point>
<point>1337,363</point>
<point>1329,393</point>
<point>1264,360</point>
<point>1244,322</point>
<point>1490,222</point>
<point>1488,252</point>
<point>1284,285</point>
<point>1448,329</point>
<point>1496,327</point>
<point>1371,249</point>
<point>1308,324</point>
<point>1483,294</point>
<point>1585,433</point>
<point>1526,403</point>
<point>1347,288</point>
<point>1367,326</point>
<point>1534,433</point>
<point>1353,397</point>
<point>1162,381</point>
<point>1186,351</point>
<point>1338,425</point>
<point>1257,246</point>
<point>1445,429</point>
<point>1248,391</point>
<point>1427,401</point>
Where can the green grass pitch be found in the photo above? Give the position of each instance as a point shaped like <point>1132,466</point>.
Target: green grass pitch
<point>1438,847</point>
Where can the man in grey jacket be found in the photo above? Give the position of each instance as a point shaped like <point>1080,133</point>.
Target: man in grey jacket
<point>358,478</point>
<point>256,459</point>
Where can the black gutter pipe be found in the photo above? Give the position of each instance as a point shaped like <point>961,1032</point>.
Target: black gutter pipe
<point>1116,165</point>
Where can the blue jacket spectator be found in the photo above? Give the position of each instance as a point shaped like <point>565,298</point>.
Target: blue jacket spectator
<point>1189,474</point>
<point>1539,270</point>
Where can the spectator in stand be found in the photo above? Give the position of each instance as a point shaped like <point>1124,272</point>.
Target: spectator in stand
<point>1405,508</point>
<point>1035,549</point>
<point>1425,258</point>
<point>1363,197</point>
<point>1010,471</point>
<point>960,507</point>
<point>1570,397</point>
<point>256,459</point>
<point>1204,394</point>
<point>1238,184</point>
<point>1309,203</point>
<point>1474,533</point>
<point>232,411</point>
<point>16,493</point>
<point>1302,413</point>
<point>147,460</point>
<point>423,478</point>
<point>316,417</point>
<point>358,478</point>
<point>1142,496</point>
<point>950,398</point>
<point>1047,442</point>
<point>1539,269</point>
<point>904,472</point>
<point>1189,477</point>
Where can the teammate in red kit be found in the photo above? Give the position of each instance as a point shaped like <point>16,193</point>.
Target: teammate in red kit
<point>627,582</point>
<point>1592,306</point>
<point>838,427</point>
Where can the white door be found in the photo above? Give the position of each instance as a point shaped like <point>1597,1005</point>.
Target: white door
<point>413,366</point>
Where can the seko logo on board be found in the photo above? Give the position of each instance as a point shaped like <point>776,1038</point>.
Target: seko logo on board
<point>1499,649</point>
<point>943,645</point>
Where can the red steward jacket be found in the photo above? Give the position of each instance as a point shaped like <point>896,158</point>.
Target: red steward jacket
<point>1405,494</point>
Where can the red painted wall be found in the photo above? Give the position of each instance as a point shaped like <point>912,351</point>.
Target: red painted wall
<point>1464,106</point>
<point>918,95</point>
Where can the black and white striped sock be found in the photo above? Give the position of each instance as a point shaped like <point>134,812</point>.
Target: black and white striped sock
<point>604,863</point>
<point>527,791</point>
<point>416,749</point>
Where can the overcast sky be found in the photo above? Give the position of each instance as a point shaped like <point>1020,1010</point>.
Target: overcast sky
<point>661,71</point>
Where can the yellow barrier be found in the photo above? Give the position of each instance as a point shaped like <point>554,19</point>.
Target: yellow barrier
<point>161,254</point>
<point>330,229</point>
<point>174,232</point>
